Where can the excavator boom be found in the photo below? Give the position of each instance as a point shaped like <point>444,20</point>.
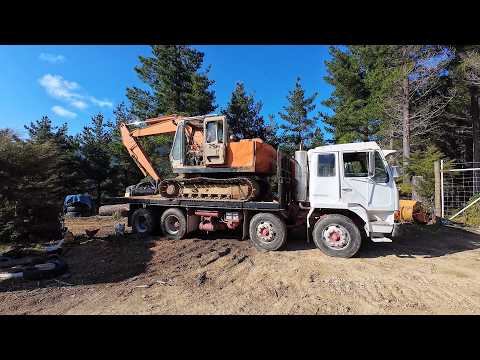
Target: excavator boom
<point>156,126</point>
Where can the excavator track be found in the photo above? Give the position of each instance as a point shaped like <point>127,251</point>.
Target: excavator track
<point>240,188</point>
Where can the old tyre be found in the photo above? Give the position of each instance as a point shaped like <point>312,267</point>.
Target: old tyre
<point>72,214</point>
<point>143,222</point>
<point>52,267</point>
<point>72,209</point>
<point>337,235</point>
<point>173,223</point>
<point>268,231</point>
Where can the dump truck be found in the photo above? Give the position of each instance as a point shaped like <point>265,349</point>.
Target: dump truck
<point>342,194</point>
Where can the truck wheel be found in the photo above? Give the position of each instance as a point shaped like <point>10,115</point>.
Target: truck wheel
<point>143,222</point>
<point>72,214</point>
<point>337,235</point>
<point>173,223</point>
<point>268,231</point>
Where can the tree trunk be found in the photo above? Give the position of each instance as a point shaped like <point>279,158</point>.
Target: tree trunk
<point>405,125</point>
<point>391,137</point>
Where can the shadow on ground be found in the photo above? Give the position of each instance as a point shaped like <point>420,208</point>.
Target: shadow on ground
<point>413,241</point>
<point>100,260</point>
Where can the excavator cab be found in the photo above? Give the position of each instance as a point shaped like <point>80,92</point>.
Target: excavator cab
<point>199,142</point>
<point>214,146</point>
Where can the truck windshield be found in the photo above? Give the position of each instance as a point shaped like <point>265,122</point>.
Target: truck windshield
<point>381,174</point>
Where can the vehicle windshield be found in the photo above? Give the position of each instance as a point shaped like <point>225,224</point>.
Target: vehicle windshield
<point>381,174</point>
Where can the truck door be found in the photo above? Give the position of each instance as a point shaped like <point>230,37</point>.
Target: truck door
<point>214,144</point>
<point>324,179</point>
<point>382,195</point>
<point>355,177</point>
<point>365,180</point>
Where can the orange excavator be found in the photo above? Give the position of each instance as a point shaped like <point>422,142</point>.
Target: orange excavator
<point>209,164</point>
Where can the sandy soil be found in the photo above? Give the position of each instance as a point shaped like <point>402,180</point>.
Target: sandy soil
<point>429,270</point>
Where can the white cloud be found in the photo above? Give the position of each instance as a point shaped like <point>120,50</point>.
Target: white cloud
<point>101,103</point>
<point>59,88</point>
<point>60,111</point>
<point>79,104</point>
<point>52,58</point>
<point>70,92</point>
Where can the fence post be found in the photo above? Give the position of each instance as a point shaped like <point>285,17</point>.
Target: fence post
<point>438,189</point>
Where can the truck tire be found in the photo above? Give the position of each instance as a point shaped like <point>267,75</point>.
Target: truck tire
<point>337,235</point>
<point>268,231</point>
<point>72,214</point>
<point>143,222</point>
<point>173,223</point>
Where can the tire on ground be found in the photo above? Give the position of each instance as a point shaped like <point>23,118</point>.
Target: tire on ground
<point>268,231</point>
<point>355,237</point>
<point>173,223</point>
<point>143,222</point>
<point>51,268</point>
<point>72,214</point>
<point>72,209</point>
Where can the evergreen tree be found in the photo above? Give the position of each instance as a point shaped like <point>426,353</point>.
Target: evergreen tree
<point>96,157</point>
<point>416,100</point>
<point>318,139</point>
<point>361,79</point>
<point>43,130</point>
<point>68,170</point>
<point>299,128</point>
<point>31,191</point>
<point>175,85</point>
<point>271,132</point>
<point>175,82</point>
<point>243,115</point>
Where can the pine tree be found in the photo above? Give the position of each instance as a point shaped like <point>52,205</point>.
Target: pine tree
<point>68,170</point>
<point>31,191</point>
<point>243,115</point>
<point>175,82</point>
<point>361,79</point>
<point>299,128</point>
<point>416,101</point>
<point>318,139</point>
<point>96,157</point>
<point>271,132</point>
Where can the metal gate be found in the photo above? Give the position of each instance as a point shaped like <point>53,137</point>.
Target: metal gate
<point>460,187</point>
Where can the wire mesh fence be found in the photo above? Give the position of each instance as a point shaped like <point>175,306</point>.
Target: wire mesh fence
<point>460,187</point>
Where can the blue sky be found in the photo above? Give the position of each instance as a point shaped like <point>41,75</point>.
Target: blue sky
<point>72,83</point>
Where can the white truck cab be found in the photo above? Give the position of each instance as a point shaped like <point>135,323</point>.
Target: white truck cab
<point>352,195</point>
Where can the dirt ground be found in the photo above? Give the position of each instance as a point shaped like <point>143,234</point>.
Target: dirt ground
<point>429,270</point>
